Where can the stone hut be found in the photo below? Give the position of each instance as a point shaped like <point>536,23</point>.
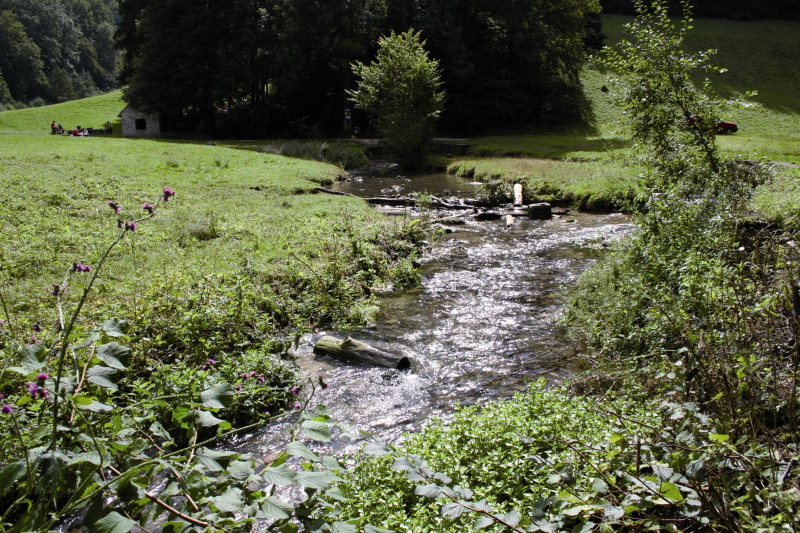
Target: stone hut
<point>136,123</point>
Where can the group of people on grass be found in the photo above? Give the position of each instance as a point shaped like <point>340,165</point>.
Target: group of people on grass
<point>57,129</point>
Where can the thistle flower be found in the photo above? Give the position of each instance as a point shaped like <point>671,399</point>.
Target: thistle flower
<point>130,226</point>
<point>298,405</point>
<point>115,206</point>
<point>168,193</point>
<point>322,383</point>
<point>238,386</point>
<point>7,409</point>
<point>37,328</point>
<point>296,390</point>
<point>211,361</point>
<point>148,207</point>
<point>42,376</point>
<point>33,388</point>
<point>56,289</point>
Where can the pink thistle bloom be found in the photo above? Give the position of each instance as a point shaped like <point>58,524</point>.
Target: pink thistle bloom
<point>56,289</point>
<point>261,378</point>
<point>253,374</point>
<point>296,390</point>
<point>130,226</point>
<point>168,193</point>
<point>238,386</point>
<point>33,388</point>
<point>204,367</point>
<point>245,375</point>
<point>37,328</point>
<point>298,405</point>
<point>322,383</point>
<point>42,376</point>
<point>211,361</point>
<point>7,409</point>
<point>148,207</point>
<point>115,206</point>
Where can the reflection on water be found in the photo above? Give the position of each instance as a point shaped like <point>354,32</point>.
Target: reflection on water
<point>482,324</point>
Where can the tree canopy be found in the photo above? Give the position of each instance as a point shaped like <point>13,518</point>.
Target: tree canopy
<point>56,50</point>
<point>273,67</point>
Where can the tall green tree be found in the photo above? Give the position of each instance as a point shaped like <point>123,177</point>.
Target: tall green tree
<point>402,92</point>
<point>20,60</point>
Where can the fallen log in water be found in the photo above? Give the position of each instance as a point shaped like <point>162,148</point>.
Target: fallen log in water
<point>354,351</point>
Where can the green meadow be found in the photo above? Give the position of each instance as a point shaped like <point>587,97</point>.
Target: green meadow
<point>237,214</point>
<point>593,168</point>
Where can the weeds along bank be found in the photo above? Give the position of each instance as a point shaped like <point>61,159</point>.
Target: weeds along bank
<point>148,291</point>
<point>242,258</point>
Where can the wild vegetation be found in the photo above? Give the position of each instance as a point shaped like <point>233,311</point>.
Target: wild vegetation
<point>147,305</point>
<point>149,293</point>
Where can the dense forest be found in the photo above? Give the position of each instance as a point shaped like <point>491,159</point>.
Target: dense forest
<point>283,67</point>
<point>56,50</point>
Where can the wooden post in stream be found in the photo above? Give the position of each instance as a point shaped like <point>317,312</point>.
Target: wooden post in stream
<point>517,194</point>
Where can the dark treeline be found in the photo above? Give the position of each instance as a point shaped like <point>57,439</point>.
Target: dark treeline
<point>55,50</point>
<point>282,67</point>
<point>730,9</point>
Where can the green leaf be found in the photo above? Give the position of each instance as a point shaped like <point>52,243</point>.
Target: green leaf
<point>275,508</point>
<point>377,448</point>
<point>240,470</point>
<point>483,522</point>
<point>316,430</point>
<point>113,522</point>
<point>671,491</point>
<point>513,518</point>
<point>453,510</point>
<point>90,404</point>
<point>614,513</point>
<point>298,449</point>
<point>279,475</point>
<point>114,355</point>
<point>206,419</point>
<point>429,491</point>
<point>719,438</point>
<point>316,480</point>
<point>599,485</point>
<point>116,327</point>
<point>10,474</point>
<point>34,358</point>
<point>230,501</point>
<point>218,396</point>
<point>99,376</point>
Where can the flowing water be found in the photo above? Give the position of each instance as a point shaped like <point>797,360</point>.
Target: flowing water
<point>481,325</point>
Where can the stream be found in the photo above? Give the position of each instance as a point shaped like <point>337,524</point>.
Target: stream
<point>482,324</point>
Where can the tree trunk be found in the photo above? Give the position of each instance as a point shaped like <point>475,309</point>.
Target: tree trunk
<point>354,351</point>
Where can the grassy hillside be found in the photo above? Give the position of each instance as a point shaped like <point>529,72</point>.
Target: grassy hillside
<point>88,112</point>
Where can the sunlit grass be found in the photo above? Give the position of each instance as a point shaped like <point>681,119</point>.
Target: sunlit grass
<point>88,112</point>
